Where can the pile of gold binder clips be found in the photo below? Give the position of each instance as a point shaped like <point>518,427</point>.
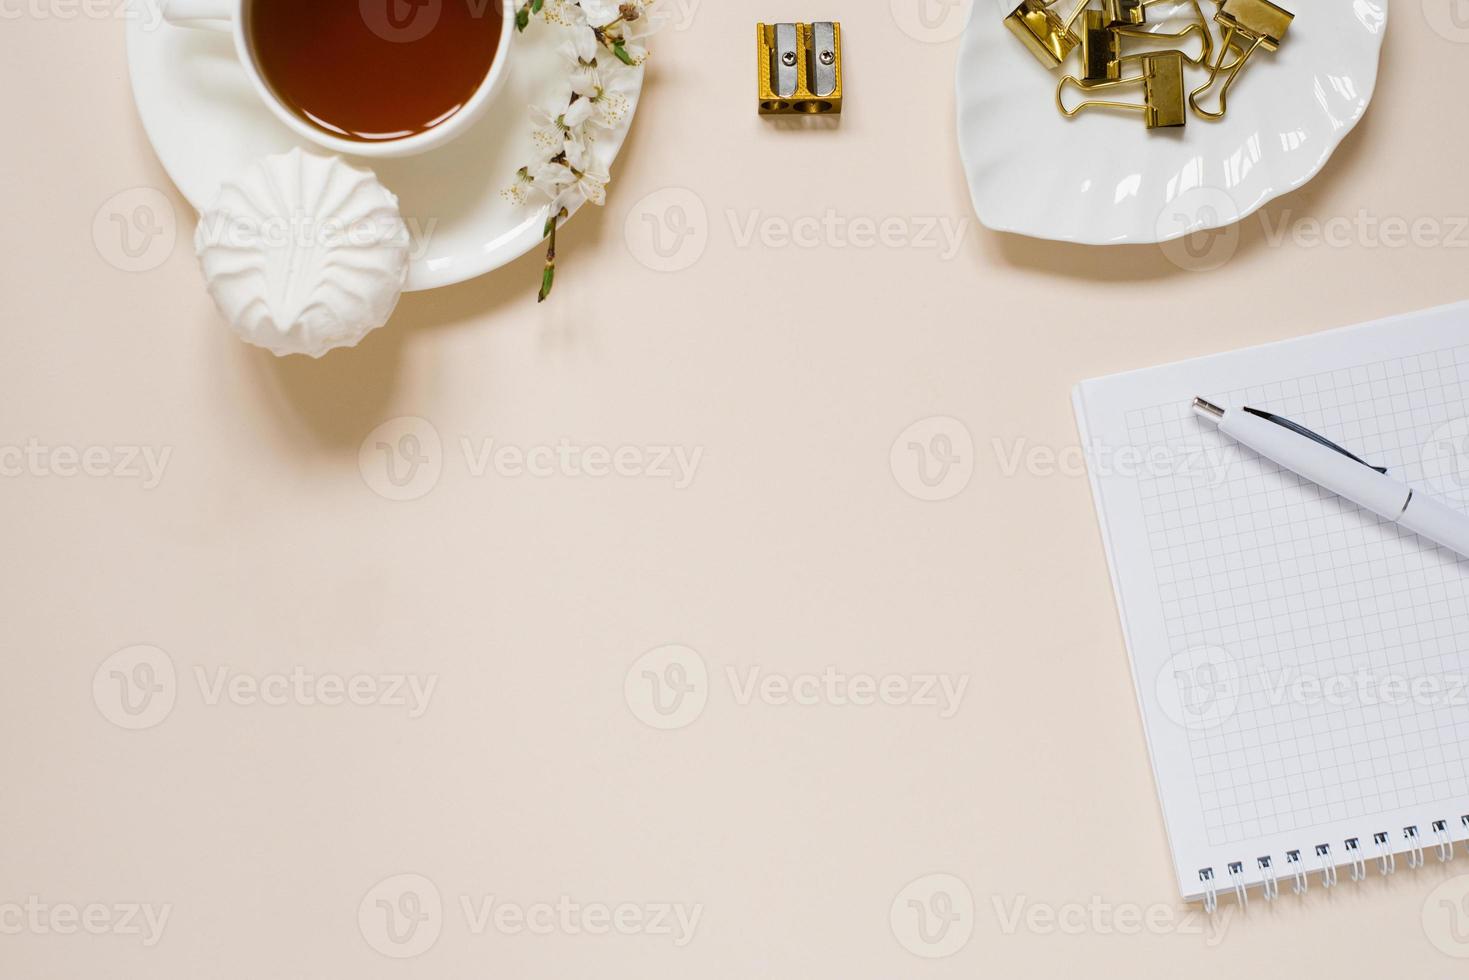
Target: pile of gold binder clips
<point>1245,27</point>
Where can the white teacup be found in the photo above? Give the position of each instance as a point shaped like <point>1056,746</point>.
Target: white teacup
<point>228,16</point>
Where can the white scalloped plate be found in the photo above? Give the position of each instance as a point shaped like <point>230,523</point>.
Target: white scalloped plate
<point>1102,179</point>
<point>206,125</point>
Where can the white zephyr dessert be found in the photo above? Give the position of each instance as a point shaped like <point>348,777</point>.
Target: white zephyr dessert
<point>304,254</point>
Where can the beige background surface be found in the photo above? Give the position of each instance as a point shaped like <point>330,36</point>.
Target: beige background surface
<point>264,550</point>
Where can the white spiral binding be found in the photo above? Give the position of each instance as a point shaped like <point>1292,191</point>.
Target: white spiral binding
<point>1354,851</point>
<point>1385,858</point>
<point>1445,842</point>
<point>1415,849</point>
<point>1328,866</point>
<point>1237,879</point>
<point>1269,887</point>
<point>1387,863</point>
<point>1298,872</point>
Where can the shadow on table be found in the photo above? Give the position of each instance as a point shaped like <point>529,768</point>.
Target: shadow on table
<point>344,395</point>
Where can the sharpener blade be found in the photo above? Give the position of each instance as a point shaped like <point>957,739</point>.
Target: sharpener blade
<point>823,58</point>
<point>785,69</point>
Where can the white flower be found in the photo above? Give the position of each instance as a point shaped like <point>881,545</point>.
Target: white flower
<point>549,119</point>
<point>567,13</point>
<point>641,19</point>
<point>600,13</point>
<point>581,51</point>
<point>552,178</point>
<point>627,44</point>
<point>650,16</point>
<point>586,80</point>
<point>561,129</point>
<point>576,113</point>
<point>612,98</point>
<point>576,117</point>
<point>519,192</point>
<point>579,151</point>
<point>568,188</point>
<point>589,187</point>
<point>580,46</point>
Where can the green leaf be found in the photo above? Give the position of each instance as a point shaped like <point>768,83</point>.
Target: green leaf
<point>548,279</point>
<point>522,18</point>
<point>621,52</point>
<point>536,5</point>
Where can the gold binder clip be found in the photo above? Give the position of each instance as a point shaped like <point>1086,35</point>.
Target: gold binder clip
<point>1046,35</point>
<point>1162,81</point>
<point>1101,45</point>
<point>800,68</point>
<point>1246,25</point>
<point>1130,13</point>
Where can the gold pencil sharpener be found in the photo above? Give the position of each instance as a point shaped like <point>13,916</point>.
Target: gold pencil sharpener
<point>800,68</point>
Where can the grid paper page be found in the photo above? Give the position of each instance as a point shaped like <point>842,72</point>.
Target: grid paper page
<point>1302,665</point>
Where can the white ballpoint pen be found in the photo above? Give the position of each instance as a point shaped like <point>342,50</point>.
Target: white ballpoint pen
<point>1331,467</point>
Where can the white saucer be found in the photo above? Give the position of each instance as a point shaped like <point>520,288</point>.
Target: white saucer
<point>1101,179</point>
<point>206,125</point>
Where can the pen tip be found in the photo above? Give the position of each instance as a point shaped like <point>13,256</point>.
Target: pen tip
<point>1208,410</point>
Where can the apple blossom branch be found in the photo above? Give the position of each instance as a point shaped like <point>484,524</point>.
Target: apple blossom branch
<point>604,52</point>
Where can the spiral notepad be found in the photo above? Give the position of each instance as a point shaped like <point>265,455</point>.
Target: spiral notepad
<point>1302,666</point>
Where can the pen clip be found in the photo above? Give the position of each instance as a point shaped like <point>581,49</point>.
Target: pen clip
<point>1301,430</point>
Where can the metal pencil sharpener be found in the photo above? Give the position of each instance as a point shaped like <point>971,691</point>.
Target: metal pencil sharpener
<point>800,68</point>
